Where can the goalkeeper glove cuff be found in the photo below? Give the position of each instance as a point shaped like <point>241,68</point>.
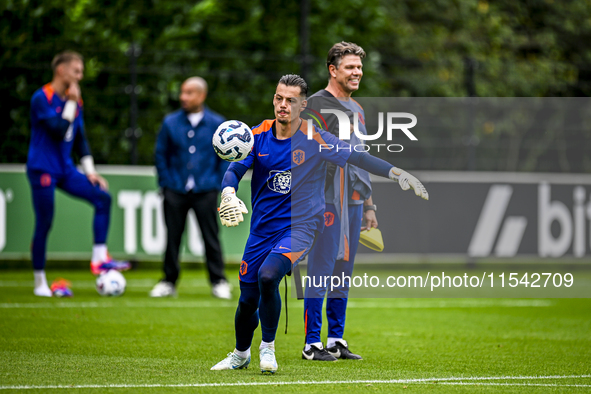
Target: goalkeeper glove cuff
<point>69,112</point>
<point>87,163</point>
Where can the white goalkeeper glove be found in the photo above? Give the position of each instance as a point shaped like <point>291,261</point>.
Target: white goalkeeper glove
<point>406,181</point>
<point>231,208</point>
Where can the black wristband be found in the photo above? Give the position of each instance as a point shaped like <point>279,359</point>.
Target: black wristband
<point>370,208</point>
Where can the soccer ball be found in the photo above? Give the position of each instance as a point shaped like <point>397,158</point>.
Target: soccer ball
<point>233,140</point>
<point>111,283</point>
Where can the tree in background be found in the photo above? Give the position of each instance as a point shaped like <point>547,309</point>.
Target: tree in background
<point>415,48</point>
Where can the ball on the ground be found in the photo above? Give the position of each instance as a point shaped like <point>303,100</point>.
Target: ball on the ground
<point>233,140</point>
<point>111,283</point>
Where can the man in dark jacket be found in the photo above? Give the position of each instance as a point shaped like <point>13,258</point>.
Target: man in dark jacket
<point>190,175</point>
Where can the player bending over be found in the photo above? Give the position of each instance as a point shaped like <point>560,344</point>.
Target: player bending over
<point>287,189</point>
<point>57,127</point>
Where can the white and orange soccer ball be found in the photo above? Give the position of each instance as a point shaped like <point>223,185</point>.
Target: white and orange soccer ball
<point>233,140</point>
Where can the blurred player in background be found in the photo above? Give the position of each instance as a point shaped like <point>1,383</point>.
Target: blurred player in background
<point>190,174</point>
<point>57,126</point>
<point>334,250</point>
<point>287,188</point>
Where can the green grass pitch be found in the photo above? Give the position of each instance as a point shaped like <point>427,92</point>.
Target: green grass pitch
<point>91,344</point>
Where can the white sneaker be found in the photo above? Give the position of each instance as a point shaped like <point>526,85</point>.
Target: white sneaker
<point>42,291</point>
<point>232,361</point>
<point>222,290</point>
<point>268,361</point>
<point>163,289</point>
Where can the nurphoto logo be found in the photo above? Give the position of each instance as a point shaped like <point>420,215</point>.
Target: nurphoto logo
<point>345,130</point>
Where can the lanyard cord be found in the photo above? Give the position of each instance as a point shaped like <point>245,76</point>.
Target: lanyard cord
<point>286,314</point>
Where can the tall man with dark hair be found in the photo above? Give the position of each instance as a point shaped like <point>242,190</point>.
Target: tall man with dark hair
<point>287,189</point>
<point>57,127</point>
<point>335,249</point>
<point>190,175</point>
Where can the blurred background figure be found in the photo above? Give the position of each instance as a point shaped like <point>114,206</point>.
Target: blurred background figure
<point>57,127</point>
<point>190,174</point>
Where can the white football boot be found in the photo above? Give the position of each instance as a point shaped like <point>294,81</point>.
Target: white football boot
<point>41,288</point>
<point>232,361</point>
<point>268,360</point>
<point>42,291</point>
<point>222,290</point>
<point>163,289</point>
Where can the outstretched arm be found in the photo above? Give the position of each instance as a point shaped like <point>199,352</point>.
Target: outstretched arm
<point>344,154</point>
<point>384,169</point>
<point>233,175</point>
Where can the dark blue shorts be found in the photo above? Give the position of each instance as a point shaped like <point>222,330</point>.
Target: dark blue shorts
<point>294,242</point>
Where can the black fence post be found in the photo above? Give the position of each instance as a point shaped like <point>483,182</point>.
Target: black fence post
<point>304,39</point>
<point>471,138</point>
<point>133,133</point>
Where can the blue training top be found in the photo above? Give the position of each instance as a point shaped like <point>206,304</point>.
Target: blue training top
<point>52,137</point>
<point>287,185</point>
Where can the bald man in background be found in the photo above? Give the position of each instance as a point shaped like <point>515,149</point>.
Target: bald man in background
<point>190,175</point>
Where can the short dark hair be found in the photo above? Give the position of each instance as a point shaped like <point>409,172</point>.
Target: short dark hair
<point>65,57</point>
<point>295,80</point>
<point>342,49</point>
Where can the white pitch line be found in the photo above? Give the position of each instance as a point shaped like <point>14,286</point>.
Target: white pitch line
<point>510,384</point>
<point>90,284</point>
<point>40,305</point>
<point>450,381</point>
